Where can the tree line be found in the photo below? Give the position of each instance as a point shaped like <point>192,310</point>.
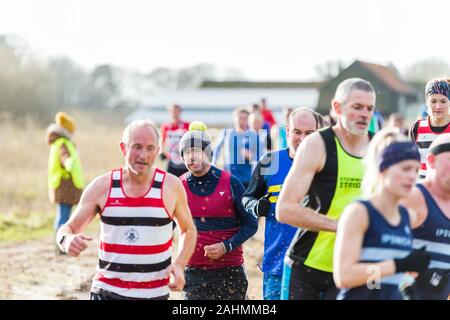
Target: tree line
<point>35,86</point>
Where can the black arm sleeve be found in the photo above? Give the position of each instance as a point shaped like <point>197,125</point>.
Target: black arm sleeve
<point>256,188</point>
<point>248,223</point>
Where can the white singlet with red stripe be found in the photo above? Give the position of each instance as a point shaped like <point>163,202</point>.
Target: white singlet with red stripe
<point>135,242</point>
<point>425,136</point>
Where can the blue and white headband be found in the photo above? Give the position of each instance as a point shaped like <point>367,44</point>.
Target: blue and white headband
<point>437,86</point>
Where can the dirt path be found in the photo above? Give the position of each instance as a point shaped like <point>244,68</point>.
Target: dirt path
<point>32,270</point>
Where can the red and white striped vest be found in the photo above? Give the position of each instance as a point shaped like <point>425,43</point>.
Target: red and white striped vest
<point>136,241</point>
<point>425,136</point>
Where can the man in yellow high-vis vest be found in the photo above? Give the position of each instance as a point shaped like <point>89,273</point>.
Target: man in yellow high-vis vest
<point>65,176</point>
<point>328,168</point>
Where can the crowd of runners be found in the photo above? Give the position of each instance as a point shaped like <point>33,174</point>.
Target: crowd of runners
<point>351,210</point>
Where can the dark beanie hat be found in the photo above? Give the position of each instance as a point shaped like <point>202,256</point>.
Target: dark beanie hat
<point>196,139</point>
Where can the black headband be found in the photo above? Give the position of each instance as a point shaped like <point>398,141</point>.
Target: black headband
<point>445,147</point>
<point>397,152</point>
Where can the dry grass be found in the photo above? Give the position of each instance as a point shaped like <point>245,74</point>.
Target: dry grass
<point>24,204</point>
<point>25,213</point>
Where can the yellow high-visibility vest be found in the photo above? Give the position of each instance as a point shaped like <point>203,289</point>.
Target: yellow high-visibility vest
<point>73,165</point>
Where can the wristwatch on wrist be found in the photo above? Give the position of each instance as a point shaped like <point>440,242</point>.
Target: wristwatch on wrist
<point>224,247</point>
<point>60,243</point>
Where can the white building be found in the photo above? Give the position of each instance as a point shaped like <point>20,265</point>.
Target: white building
<point>214,105</point>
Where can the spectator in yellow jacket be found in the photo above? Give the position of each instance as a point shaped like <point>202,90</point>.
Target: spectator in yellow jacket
<point>65,176</point>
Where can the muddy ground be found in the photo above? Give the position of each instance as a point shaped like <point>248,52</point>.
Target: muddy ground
<point>31,270</point>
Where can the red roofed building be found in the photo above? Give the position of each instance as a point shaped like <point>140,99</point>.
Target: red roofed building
<point>393,94</point>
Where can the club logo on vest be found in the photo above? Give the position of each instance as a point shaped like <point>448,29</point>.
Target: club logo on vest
<point>132,236</point>
<point>221,193</point>
<point>117,203</point>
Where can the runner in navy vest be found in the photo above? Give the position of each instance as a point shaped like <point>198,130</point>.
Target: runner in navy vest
<point>373,248</point>
<point>215,270</point>
<point>431,200</point>
<point>137,205</point>
<point>261,197</point>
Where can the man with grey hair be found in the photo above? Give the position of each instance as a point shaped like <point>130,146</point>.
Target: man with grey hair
<point>325,176</point>
<point>137,205</point>
<point>261,197</point>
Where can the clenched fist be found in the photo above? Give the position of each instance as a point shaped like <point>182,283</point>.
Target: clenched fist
<point>75,243</point>
<point>215,251</point>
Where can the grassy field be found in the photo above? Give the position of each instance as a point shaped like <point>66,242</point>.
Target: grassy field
<point>25,212</point>
<point>32,271</point>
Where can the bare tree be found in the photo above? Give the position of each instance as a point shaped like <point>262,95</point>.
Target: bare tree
<point>26,88</point>
<point>424,70</point>
<point>189,77</point>
<point>329,69</point>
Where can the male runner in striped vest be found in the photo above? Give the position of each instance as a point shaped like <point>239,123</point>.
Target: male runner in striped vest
<point>136,205</point>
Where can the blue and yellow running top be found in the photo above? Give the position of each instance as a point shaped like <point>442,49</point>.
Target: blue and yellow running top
<point>268,177</point>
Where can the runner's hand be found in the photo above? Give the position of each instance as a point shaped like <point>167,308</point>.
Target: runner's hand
<point>176,273</point>
<point>215,251</point>
<point>417,260</point>
<point>74,244</point>
<point>263,205</point>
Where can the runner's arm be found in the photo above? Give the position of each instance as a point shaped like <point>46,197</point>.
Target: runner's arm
<point>309,159</point>
<point>413,131</point>
<point>70,236</point>
<point>256,188</point>
<point>183,217</point>
<point>417,207</point>
<point>248,222</point>
<point>348,272</point>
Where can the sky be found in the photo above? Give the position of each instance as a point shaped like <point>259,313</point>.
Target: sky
<point>267,40</point>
